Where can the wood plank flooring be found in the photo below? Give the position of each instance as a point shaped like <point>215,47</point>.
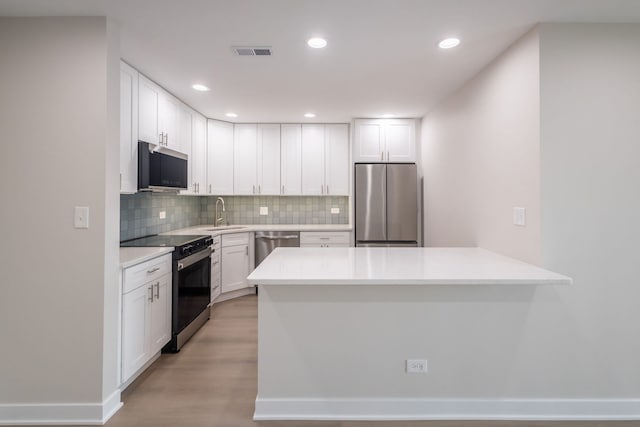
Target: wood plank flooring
<point>212,383</point>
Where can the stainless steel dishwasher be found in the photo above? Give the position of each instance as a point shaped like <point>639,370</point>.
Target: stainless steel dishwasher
<point>267,241</point>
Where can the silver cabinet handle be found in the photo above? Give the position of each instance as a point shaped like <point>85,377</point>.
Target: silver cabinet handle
<point>382,156</point>
<point>153,270</point>
<point>325,238</point>
<point>259,189</point>
<point>322,189</point>
<point>150,288</point>
<point>327,189</point>
<point>209,188</point>
<point>157,285</point>
<point>387,156</point>
<point>254,189</point>
<point>166,139</point>
<point>247,249</point>
<point>198,184</point>
<point>283,189</point>
<point>160,137</point>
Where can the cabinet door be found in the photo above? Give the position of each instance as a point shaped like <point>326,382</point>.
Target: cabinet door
<point>168,120</point>
<point>245,153</point>
<point>269,159</point>
<point>313,160</point>
<point>369,143</point>
<point>291,159</point>
<point>337,159</point>
<point>148,100</point>
<point>219,158</point>
<point>128,129</point>
<point>160,332</point>
<point>400,136</point>
<point>185,141</point>
<point>136,329</point>
<point>198,157</point>
<point>235,267</point>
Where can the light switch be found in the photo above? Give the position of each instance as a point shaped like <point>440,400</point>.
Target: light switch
<point>519,217</point>
<point>81,217</point>
<point>335,211</point>
<point>264,210</point>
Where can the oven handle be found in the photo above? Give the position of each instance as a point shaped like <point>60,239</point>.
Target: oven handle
<point>192,259</point>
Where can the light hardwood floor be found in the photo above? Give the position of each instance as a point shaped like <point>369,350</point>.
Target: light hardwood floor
<point>212,383</point>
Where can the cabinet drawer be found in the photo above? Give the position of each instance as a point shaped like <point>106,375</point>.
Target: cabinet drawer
<point>142,273</point>
<point>314,238</point>
<point>235,239</point>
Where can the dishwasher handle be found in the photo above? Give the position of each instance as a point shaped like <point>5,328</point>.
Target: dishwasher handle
<point>289,237</point>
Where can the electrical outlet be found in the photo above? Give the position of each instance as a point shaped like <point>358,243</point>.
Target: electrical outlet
<point>519,216</point>
<point>416,366</point>
<point>335,211</point>
<point>264,210</point>
<point>163,214</point>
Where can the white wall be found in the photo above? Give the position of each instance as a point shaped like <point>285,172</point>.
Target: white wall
<point>480,158</point>
<point>58,127</point>
<point>590,163</point>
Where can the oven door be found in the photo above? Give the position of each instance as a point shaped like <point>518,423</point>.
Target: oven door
<point>194,288</point>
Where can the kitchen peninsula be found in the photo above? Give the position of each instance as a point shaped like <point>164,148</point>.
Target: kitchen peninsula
<point>338,326</point>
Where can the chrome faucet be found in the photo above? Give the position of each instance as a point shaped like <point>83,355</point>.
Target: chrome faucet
<point>219,218</point>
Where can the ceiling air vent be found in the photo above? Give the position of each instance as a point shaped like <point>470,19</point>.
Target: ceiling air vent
<point>252,51</point>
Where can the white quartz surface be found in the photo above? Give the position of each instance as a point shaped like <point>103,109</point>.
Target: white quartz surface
<point>133,256</point>
<point>213,231</point>
<point>398,266</point>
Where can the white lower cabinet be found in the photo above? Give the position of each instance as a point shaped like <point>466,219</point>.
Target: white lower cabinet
<point>146,313</point>
<point>216,287</point>
<point>324,239</point>
<point>235,261</point>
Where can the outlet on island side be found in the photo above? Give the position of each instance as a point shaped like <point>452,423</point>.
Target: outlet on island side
<point>416,366</point>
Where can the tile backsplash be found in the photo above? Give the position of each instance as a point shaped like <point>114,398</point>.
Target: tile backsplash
<point>281,210</point>
<point>140,213</point>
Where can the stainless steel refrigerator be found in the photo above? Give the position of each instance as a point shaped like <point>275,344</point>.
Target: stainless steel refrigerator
<point>386,204</point>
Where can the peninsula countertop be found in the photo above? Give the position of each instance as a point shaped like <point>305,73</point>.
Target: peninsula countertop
<point>398,266</point>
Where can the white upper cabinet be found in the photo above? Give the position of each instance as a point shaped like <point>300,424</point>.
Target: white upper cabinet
<point>168,121</point>
<point>245,154</point>
<point>149,96</point>
<point>385,141</point>
<point>312,159</point>
<point>256,153</point>
<point>198,157</point>
<point>268,160</point>
<point>128,129</point>
<point>291,159</point>
<point>219,158</point>
<point>158,116</point>
<point>337,159</point>
<point>325,159</point>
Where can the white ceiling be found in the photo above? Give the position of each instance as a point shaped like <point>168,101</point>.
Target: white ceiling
<point>381,58</point>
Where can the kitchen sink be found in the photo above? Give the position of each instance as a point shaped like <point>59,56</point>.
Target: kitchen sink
<point>227,227</point>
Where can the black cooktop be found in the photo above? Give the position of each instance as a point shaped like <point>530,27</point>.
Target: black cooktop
<point>162,241</point>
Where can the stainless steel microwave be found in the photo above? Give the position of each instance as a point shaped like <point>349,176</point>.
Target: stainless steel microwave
<point>160,170</point>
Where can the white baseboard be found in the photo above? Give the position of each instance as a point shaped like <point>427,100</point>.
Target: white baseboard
<point>447,409</point>
<point>60,413</point>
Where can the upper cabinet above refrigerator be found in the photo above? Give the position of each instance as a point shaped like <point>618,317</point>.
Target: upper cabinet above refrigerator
<point>384,141</point>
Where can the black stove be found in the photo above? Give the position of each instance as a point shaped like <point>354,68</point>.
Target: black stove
<point>191,282</point>
<point>184,245</point>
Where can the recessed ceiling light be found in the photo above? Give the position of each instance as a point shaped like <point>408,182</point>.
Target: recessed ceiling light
<point>448,43</point>
<point>201,88</point>
<point>310,115</point>
<point>317,42</point>
<point>231,115</point>
<point>387,116</point>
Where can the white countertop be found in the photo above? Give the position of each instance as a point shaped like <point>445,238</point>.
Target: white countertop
<point>213,231</point>
<point>398,266</point>
<point>133,256</point>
